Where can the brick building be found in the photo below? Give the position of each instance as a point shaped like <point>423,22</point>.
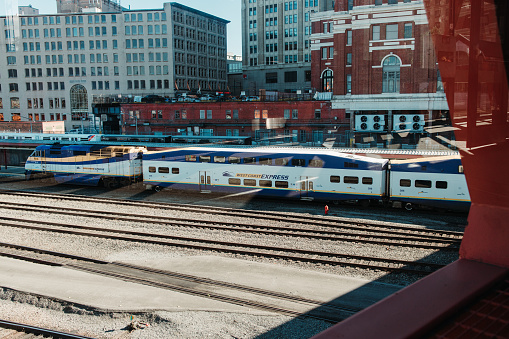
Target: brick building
<point>377,59</point>
<point>303,122</point>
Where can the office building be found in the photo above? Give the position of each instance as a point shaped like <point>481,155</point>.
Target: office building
<point>55,67</point>
<point>276,46</point>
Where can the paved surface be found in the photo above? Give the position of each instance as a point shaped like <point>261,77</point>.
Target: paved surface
<point>112,294</point>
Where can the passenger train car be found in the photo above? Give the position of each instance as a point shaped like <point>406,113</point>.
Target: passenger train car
<point>437,182</point>
<point>294,173</point>
<point>290,173</point>
<point>91,165</point>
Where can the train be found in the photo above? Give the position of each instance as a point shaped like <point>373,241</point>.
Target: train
<point>287,173</point>
<point>70,138</point>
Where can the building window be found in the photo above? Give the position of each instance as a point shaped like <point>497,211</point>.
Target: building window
<point>348,83</point>
<point>271,78</point>
<point>348,59</point>
<point>391,32</point>
<point>291,76</point>
<point>376,32</point>
<point>327,81</point>
<point>349,37</point>
<point>391,75</point>
<point>408,31</point>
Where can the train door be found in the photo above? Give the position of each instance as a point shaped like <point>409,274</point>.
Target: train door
<point>204,181</point>
<point>43,161</point>
<point>306,188</point>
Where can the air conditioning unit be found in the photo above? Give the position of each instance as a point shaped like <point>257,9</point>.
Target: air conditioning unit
<point>369,123</point>
<point>413,123</point>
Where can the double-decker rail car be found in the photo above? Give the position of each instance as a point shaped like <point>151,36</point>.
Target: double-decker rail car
<point>49,137</point>
<point>437,182</point>
<point>290,173</point>
<point>92,165</point>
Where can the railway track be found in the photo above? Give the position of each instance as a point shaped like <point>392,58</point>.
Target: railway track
<point>9,329</point>
<point>317,228</point>
<point>408,240</point>
<point>184,283</point>
<point>265,215</point>
<point>284,253</point>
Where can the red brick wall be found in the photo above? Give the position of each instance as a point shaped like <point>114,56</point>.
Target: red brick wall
<point>246,122</point>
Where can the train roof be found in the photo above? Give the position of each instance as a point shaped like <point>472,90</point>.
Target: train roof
<point>447,164</point>
<point>273,151</point>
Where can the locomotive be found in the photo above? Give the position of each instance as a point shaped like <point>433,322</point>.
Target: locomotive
<point>289,173</point>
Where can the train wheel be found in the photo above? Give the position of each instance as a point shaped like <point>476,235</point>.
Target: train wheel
<point>409,206</point>
<point>157,188</point>
<point>335,202</point>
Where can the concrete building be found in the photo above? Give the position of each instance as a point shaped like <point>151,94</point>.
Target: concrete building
<point>376,58</point>
<point>27,10</point>
<point>276,44</point>
<point>88,6</point>
<point>55,67</point>
<point>234,73</point>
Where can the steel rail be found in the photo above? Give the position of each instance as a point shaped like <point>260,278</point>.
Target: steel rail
<point>267,215</point>
<point>236,225</point>
<point>39,330</point>
<point>236,248</point>
<point>104,268</point>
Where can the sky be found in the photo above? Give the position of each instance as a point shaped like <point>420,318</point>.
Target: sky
<point>225,9</point>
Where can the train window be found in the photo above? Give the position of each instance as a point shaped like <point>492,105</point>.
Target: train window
<point>249,160</point>
<point>79,153</point>
<point>315,163</point>
<point>175,170</point>
<point>265,161</point>
<point>204,158</point>
<point>298,162</point>
<point>234,181</point>
<point>55,152</point>
<point>190,157</point>
<point>460,169</point>
<point>441,184</point>
<point>281,184</point>
<point>265,183</point>
<point>234,160</point>
<point>405,182</point>
<point>281,162</point>
<point>351,165</point>
<point>249,182</point>
<point>219,158</point>
<point>164,170</point>
<point>335,178</point>
<point>351,180</point>
<point>423,183</point>
<point>367,181</point>
<point>152,169</point>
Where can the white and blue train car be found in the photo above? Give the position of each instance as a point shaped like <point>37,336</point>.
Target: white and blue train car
<point>437,182</point>
<point>291,173</point>
<point>91,165</point>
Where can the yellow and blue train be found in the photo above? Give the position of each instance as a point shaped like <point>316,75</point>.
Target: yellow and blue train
<point>293,173</point>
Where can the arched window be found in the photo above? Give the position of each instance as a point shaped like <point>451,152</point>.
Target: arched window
<point>79,102</point>
<point>327,81</point>
<point>391,67</point>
